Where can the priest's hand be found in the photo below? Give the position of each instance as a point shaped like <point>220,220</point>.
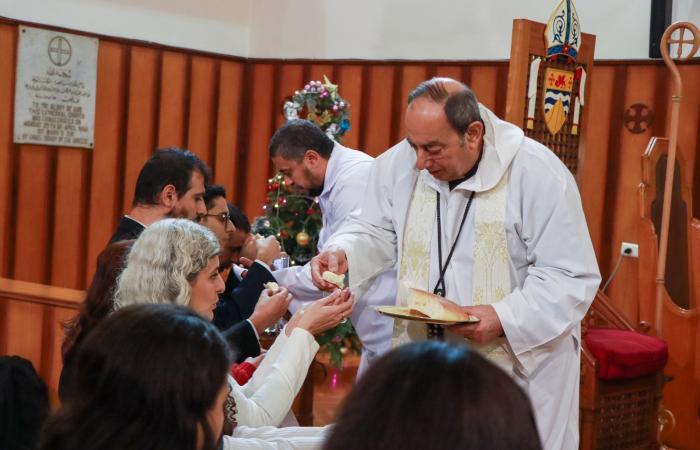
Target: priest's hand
<point>486,330</point>
<point>332,261</point>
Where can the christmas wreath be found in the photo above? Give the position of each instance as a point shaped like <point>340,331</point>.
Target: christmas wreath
<point>321,104</point>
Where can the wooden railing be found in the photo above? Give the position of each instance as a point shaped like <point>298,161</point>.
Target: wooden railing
<point>31,317</point>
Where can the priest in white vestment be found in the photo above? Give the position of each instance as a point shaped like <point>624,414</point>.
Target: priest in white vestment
<point>473,210</point>
<point>312,163</point>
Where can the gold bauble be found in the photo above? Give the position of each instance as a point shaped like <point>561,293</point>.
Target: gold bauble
<point>303,238</point>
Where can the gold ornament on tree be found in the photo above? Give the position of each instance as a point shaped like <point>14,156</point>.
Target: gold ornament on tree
<point>302,238</point>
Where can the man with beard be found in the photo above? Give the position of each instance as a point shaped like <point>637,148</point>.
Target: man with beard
<point>170,184</point>
<point>314,164</point>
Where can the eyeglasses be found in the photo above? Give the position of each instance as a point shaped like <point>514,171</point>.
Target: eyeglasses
<point>223,217</point>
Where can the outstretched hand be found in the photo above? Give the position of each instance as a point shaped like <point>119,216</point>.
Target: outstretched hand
<point>332,261</point>
<point>323,314</point>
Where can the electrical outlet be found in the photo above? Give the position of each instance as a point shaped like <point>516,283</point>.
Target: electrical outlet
<point>629,249</point>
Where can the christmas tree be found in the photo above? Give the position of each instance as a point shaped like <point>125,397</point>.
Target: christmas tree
<point>295,220</point>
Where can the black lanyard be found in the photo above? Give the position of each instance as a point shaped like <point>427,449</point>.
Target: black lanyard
<point>440,288</point>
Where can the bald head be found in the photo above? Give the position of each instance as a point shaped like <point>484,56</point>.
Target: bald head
<point>459,103</point>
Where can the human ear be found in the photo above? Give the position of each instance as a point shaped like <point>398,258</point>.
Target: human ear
<point>168,196</point>
<point>311,157</point>
<point>475,131</point>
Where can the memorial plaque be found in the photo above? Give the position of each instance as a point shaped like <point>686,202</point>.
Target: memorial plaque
<point>55,88</point>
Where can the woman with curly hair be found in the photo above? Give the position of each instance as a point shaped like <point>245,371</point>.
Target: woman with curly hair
<point>176,261</point>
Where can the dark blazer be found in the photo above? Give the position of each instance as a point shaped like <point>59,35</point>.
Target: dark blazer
<point>126,229</point>
<point>238,300</point>
<point>243,340</point>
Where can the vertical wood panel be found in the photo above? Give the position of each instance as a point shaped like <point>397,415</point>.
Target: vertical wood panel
<point>350,88</point>
<point>624,290</point>
<point>202,121</point>
<point>105,182</point>
<point>227,134</point>
<point>484,79</point>
<point>377,122</point>
<point>413,75</point>
<point>319,70</point>
<point>69,222</point>
<point>453,72</point>
<point>8,46</point>
<point>34,200</point>
<point>290,80</point>
<point>23,336</point>
<point>53,358</point>
<point>593,171</point>
<point>257,159</point>
<point>172,109</point>
<point>690,113</point>
<point>140,129</point>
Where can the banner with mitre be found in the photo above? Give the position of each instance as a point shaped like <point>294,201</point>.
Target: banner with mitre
<point>547,81</point>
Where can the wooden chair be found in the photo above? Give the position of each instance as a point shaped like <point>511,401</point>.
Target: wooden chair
<point>615,414</point>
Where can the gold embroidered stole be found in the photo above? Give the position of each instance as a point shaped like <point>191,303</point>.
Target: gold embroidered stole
<point>491,274</point>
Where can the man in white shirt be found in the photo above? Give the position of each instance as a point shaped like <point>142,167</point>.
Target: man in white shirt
<point>314,164</point>
<point>472,210</point>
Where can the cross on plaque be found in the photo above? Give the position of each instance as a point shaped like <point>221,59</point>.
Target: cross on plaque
<point>60,51</point>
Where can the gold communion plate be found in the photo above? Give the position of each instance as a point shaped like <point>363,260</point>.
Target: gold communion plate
<point>406,313</point>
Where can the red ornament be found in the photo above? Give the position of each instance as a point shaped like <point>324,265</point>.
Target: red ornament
<point>309,211</point>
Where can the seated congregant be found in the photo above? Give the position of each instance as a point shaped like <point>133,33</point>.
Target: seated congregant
<point>150,376</point>
<point>176,261</point>
<point>98,303</point>
<point>432,395</point>
<point>238,301</point>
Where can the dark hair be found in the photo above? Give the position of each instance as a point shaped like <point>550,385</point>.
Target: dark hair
<point>24,404</point>
<point>461,106</point>
<point>167,166</point>
<point>99,300</point>
<point>294,138</point>
<point>435,395</point>
<point>148,375</point>
<point>211,192</point>
<point>238,217</point>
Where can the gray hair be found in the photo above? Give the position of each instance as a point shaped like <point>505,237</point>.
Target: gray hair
<point>163,262</point>
<point>460,105</point>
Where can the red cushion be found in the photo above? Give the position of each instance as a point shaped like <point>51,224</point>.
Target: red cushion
<point>626,354</point>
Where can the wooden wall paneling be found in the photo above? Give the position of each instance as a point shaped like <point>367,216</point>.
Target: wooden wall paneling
<point>484,85</point>
<point>33,213</point>
<point>67,257</point>
<point>690,114</point>
<point>8,48</point>
<point>172,109</point>
<point>454,72</point>
<point>376,124</point>
<point>260,129</point>
<point>623,291</point>
<point>227,146</point>
<point>412,76</point>
<point>106,195</point>
<point>204,94</point>
<point>290,80</point>
<point>53,358</point>
<point>317,71</point>
<point>593,171</point>
<point>396,115</point>
<point>141,116</point>
<point>24,334</point>
<point>614,138</point>
<point>350,88</point>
